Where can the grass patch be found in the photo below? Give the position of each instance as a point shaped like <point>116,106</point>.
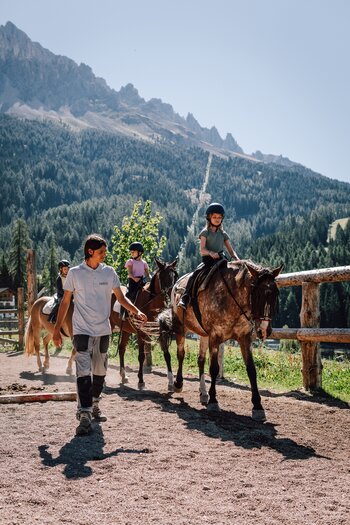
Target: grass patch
<point>279,370</point>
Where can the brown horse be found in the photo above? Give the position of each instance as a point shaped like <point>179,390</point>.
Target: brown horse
<point>239,299</point>
<point>38,325</point>
<point>150,300</point>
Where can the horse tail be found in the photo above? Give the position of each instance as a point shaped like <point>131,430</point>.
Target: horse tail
<point>167,326</point>
<point>29,348</point>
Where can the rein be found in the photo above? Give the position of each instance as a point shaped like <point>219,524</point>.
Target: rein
<point>237,303</point>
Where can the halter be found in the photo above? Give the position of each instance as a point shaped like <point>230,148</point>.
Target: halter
<point>267,307</point>
<point>165,291</point>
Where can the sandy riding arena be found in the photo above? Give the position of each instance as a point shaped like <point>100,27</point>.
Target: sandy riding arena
<point>162,458</point>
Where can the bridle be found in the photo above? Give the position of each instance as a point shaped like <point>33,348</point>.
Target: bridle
<point>257,317</point>
<point>165,288</point>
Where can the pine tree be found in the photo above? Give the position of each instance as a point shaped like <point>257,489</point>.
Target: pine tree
<point>17,254</point>
<point>50,269</point>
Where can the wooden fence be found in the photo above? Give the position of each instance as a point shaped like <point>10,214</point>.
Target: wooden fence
<point>310,334</point>
<point>18,319</point>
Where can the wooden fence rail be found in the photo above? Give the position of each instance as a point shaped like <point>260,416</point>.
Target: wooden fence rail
<point>310,334</point>
<point>19,312</point>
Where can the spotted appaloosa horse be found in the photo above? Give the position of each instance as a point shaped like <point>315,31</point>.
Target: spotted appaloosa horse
<point>37,323</point>
<point>239,299</point>
<point>152,298</point>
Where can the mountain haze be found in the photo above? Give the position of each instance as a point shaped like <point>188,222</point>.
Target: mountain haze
<point>37,84</point>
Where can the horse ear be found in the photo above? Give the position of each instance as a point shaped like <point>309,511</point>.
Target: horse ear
<point>253,271</point>
<point>174,263</point>
<point>277,271</point>
<point>159,264</point>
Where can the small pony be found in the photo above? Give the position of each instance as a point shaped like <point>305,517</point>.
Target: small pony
<point>38,322</point>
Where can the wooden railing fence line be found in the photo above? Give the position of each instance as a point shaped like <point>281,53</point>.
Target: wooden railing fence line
<point>310,334</point>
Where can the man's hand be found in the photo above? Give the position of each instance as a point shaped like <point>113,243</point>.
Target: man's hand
<point>57,338</point>
<point>140,315</point>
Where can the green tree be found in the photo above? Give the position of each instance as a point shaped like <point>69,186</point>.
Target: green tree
<point>143,227</point>
<point>5,277</point>
<point>20,243</point>
<point>50,269</point>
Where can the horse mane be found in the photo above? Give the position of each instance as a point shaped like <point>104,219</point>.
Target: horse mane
<point>152,283</point>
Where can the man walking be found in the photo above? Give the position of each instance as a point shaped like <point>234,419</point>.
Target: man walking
<point>91,283</point>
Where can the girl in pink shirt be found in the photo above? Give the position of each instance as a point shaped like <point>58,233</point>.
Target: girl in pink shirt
<point>137,270</point>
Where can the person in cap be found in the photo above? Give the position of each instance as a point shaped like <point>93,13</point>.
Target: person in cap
<point>137,270</point>
<point>63,269</point>
<point>213,241</point>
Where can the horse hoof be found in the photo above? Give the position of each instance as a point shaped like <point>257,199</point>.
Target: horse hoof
<point>258,415</point>
<point>171,388</point>
<point>178,389</point>
<point>125,380</point>
<point>147,369</point>
<point>204,398</point>
<point>213,407</point>
<point>141,386</point>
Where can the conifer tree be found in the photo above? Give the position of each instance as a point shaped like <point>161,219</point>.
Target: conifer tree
<point>20,243</point>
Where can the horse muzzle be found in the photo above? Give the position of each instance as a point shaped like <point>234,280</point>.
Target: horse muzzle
<point>263,328</point>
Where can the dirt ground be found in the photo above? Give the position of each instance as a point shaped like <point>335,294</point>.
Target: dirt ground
<point>162,458</point>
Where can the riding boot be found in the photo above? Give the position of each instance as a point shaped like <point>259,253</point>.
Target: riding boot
<point>184,301</point>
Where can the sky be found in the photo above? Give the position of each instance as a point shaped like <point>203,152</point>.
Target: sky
<point>274,73</point>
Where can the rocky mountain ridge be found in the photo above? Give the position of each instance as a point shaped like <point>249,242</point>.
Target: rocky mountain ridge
<point>35,83</point>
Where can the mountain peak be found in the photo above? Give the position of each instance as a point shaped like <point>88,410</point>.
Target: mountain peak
<point>36,83</point>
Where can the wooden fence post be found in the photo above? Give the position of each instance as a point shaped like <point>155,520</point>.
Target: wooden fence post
<point>31,279</point>
<point>20,307</point>
<point>310,318</point>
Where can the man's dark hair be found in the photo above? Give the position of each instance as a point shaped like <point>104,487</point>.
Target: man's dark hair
<point>93,242</point>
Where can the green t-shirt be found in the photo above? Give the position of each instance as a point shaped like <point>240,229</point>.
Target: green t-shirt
<point>215,240</point>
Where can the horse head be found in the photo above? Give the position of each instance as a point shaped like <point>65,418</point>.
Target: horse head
<point>264,298</point>
<point>164,278</point>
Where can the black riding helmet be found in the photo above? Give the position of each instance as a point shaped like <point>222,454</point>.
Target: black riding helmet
<point>215,207</point>
<point>63,263</point>
<point>137,246</point>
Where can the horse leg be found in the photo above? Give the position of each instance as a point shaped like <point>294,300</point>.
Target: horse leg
<point>221,360</point>
<point>69,369</point>
<point>147,368</point>
<point>164,341</point>
<point>203,394</point>
<point>180,341</point>
<point>141,345</point>
<point>258,412</point>
<point>213,404</point>
<point>46,341</point>
<point>123,341</point>
<point>36,334</point>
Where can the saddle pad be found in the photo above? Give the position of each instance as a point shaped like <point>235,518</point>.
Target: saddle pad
<point>47,309</point>
<point>116,307</point>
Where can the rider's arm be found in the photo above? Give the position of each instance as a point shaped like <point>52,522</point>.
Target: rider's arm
<point>62,312</point>
<point>124,301</point>
<point>231,250</point>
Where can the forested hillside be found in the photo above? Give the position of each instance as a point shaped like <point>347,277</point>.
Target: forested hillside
<point>66,185</point>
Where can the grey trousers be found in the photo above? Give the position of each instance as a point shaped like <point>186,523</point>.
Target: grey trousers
<point>91,367</point>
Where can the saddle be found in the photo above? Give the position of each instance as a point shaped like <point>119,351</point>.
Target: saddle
<point>201,281</point>
<point>48,307</point>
